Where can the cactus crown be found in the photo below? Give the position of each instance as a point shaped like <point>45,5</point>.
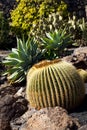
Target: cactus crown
<point>54,83</point>
<point>42,64</point>
<point>46,63</point>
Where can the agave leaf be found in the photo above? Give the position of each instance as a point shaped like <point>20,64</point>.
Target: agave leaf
<point>22,56</point>
<point>13,59</point>
<point>27,44</point>
<point>11,63</point>
<point>24,42</point>
<point>13,55</point>
<point>63,32</point>
<point>47,41</point>
<point>49,36</point>
<point>33,48</point>
<point>11,70</point>
<point>13,75</point>
<point>20,79</point>
<point>36,57</point>
<point>16,74</point>
<point>20,45</point>
<point>14,50</point>
<point>5,73</point>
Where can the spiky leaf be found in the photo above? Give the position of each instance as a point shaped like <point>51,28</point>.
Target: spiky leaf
<point>21,59</point>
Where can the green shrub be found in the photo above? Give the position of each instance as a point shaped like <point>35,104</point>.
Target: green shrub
<point>29,13</point>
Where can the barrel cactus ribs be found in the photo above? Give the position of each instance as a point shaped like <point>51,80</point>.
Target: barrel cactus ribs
<point>54,83</point>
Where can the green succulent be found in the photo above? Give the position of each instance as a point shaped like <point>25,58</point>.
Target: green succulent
<point>21,59</point>
<point>56,42</point>
<point>54,83</point>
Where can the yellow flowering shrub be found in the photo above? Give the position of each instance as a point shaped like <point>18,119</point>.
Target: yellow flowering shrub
<point>29,12</point>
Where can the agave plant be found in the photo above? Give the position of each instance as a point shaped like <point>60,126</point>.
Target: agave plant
<point>21,59</point>
<point>56,42</point>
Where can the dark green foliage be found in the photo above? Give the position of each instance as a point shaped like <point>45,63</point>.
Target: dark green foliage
<point>21,59</point>
<point>7,39</point>
<point>4,30</point>
<point>55,43</point>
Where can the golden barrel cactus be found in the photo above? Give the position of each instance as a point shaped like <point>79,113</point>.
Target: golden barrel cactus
<point>54,83</point>
<point>83,74</point>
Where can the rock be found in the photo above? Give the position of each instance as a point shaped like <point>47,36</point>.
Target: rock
<point>11,108</point>
<point>6,107</point>
<point>6,112</point>
<point>4,124</point>
<point>19,107</point>
<point>84,127</point>
<point>80,50</point>
<point>8,89</point>
<point>2,79</point>
<point>51,119</point>
<point>78,58</point>
<point>18,122</point>
<point>20,92</point>
<point>80,54</point>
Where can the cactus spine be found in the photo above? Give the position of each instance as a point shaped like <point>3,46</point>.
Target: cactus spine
<point>54,83</point>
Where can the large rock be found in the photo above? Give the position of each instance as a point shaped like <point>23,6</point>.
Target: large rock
<point>78,57</point>
<point>10,108</point>
<point>51,119</point>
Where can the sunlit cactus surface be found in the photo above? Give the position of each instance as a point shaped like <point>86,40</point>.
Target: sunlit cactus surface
<point>54,83</point>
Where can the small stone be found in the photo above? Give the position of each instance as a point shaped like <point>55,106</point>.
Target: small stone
<point>20,92</point>
<point>2,79</point>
